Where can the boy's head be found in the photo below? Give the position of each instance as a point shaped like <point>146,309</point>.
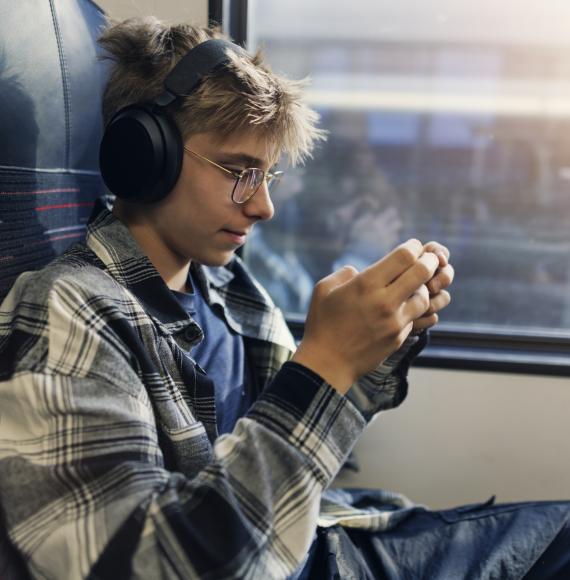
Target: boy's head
<point>242,95</point>
<point>240,116</point>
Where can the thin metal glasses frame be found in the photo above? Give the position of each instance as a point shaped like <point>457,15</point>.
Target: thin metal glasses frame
<point>269,177</point>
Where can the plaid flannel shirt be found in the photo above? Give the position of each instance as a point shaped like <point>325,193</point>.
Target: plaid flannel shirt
<point>110,464</point>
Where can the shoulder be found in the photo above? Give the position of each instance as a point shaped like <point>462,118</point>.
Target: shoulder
<point>72,298</point>
<point>78,269</point>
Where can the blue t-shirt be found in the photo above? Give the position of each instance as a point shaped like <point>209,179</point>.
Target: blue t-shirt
<point>221,354</point>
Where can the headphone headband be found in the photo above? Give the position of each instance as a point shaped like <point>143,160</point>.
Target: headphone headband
<point>141,152</point>
<point>201,60</point>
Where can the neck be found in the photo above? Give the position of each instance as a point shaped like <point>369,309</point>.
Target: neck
<point>172,267</point>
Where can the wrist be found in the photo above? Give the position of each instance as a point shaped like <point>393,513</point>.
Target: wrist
<point>330,369</point>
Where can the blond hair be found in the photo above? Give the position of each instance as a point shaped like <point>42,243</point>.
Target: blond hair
<point>244,94</point>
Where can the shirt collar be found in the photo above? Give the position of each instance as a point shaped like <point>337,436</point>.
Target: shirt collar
<point>114,245</point>
<point>124,260</point>
<point>218,277</point>
<point>248,308</point>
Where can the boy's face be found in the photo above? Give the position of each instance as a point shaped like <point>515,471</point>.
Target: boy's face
<point>198,219</point>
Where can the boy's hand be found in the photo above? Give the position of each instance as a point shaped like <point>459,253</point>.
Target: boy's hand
<point>356,320</point>
<point>439,297</point>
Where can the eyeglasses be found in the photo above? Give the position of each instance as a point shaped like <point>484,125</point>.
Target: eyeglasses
<point>247,181</point>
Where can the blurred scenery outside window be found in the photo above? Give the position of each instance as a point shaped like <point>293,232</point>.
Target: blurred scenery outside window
<point>447,121</point>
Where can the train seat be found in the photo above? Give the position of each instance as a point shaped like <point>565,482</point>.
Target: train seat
<point>50,127</point>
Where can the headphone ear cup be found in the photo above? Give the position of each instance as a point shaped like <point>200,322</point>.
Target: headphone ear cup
<point>141,154</point>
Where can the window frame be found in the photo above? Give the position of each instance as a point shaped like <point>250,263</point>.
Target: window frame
<point>487,351</point>
<point>232,16</point>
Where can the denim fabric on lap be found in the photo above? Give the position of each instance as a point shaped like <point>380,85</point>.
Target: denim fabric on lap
<point>221,355</point>
<point>479,542</point>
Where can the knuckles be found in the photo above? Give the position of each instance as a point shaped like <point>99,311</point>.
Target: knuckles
<point>406,256</point>
<point>446,276</point>
<point>350,270</point>
<point>385,308</point>
<point>320,289</point>
<point>364,285</point>
<point>391,329</point>
<point>424,270</point>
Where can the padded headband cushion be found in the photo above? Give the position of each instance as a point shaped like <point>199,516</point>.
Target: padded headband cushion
<point>198,62</point>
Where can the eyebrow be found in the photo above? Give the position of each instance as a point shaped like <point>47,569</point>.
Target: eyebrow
<point>239,158</point>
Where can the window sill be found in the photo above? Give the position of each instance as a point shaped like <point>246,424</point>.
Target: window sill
<point>491,349</point>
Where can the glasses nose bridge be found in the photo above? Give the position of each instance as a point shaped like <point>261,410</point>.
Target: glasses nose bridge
<point>247,181</point>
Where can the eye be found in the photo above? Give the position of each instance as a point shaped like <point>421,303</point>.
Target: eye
<point>235,170</point>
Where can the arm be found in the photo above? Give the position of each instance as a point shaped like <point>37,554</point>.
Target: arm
<point>82,477</point>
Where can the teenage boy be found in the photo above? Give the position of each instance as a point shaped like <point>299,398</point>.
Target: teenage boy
<point>151,426</point>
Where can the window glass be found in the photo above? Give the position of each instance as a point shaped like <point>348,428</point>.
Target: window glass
<point>447,121</point>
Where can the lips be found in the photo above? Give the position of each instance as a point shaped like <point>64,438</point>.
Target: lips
<point>236,236</point>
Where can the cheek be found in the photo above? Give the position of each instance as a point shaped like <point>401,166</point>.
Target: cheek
<point>193,217</point>
<point>200,204</point>
<point>184,200</point>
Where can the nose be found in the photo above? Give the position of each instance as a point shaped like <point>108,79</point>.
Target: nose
<point>260,206</point>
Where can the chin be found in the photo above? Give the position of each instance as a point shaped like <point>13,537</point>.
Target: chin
<point>217,261</point>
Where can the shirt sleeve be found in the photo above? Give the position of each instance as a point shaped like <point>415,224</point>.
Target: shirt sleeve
<point>386,386</point>
<point>84,489</point>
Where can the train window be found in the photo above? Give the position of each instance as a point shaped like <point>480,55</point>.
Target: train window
<point>447,121</point>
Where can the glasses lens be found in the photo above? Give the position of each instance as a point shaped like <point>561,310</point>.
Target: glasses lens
<point>247,185</point>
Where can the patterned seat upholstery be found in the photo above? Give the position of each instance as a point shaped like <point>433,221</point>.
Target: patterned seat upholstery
<point>50,127</point>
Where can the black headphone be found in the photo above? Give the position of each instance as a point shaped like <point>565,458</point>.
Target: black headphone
<point>141,151</point>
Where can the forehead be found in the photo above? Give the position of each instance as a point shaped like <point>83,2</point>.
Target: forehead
<point>250,145</point>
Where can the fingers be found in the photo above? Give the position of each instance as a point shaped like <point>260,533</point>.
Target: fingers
<point>386,270</point>
<point>417,304</point>
<point>440,251</point>
<point>424,322</point>
<point>439,302</point>
<point>337,278</point>
<point>417,275</point>
<point>442,279</point>
<point>430,318</point>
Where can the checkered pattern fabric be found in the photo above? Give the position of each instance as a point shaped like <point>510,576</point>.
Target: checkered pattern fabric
<point>110,461</point>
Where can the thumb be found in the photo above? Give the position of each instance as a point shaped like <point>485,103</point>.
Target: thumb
<point>338,278</point>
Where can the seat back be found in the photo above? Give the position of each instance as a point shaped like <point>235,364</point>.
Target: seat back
<point>50,127</point>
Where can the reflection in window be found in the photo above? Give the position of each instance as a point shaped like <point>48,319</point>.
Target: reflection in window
<point>450,124</point>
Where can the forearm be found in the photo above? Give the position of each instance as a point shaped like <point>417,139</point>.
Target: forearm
<point>108,501</point>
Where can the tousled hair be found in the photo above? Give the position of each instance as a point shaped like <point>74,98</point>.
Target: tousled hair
<point>243,95</point>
